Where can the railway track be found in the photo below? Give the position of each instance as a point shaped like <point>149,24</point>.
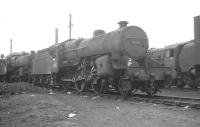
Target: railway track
<point>193,103</point>
<point>170,101</point>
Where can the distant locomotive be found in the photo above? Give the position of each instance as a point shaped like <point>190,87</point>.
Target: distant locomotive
<point>183,59</point>
<point>3,70</point>
<point>148,75</point>
<point>19,66</point>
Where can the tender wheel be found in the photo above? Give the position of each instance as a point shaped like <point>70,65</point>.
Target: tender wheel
<point>81,86</point>
<point>151,89</point>
<point>168,83</point>
<point>35,81</point>
<point>67,85</point>
<point>190,82</point>
<point>187,80</point>
<point>30,80</point>
<point>180,84</point>
<point>99,86</point>
<point>124,87</point>
<point>133,92</point>
<point>193,84</point>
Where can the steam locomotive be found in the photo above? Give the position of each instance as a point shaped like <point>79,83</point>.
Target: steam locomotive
<point>98,63</point>
<point>115,60</point>
<point>3,69</point>
<point>183,59</point>
<point>18,67</point>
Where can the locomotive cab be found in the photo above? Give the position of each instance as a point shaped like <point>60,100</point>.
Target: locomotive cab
<point>169,56</point>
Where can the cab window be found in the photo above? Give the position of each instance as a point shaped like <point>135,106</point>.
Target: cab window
<point>170,53</point>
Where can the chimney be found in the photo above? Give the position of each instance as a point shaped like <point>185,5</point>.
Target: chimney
<point>32,52</point>
<point>10,46</point>
<point>56,36</point>
<point>197,39</point>
<point>122,24</point>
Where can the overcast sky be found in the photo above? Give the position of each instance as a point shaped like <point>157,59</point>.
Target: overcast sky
<point>31,23</point>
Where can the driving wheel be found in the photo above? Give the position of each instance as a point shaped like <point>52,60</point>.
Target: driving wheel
<point>99,86</point>
<point>81,85</point>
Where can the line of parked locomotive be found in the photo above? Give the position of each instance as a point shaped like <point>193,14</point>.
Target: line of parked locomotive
<point>117,60</point>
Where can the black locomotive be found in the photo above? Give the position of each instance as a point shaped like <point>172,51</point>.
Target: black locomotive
<point>99,63</point>
<point>183,59</point>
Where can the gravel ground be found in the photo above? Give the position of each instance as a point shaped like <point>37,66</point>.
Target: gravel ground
<point>32,106</point>
<point>7,89</point>
<point>187,93</point>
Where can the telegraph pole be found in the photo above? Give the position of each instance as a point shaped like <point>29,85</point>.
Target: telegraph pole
<point>70,26</point>
<point>10,46</point>
<point>56,35</point>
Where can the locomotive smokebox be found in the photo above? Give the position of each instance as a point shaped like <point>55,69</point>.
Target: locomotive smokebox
<point>32,52</point>
<point>197,39</point>
<point>122,24</point>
